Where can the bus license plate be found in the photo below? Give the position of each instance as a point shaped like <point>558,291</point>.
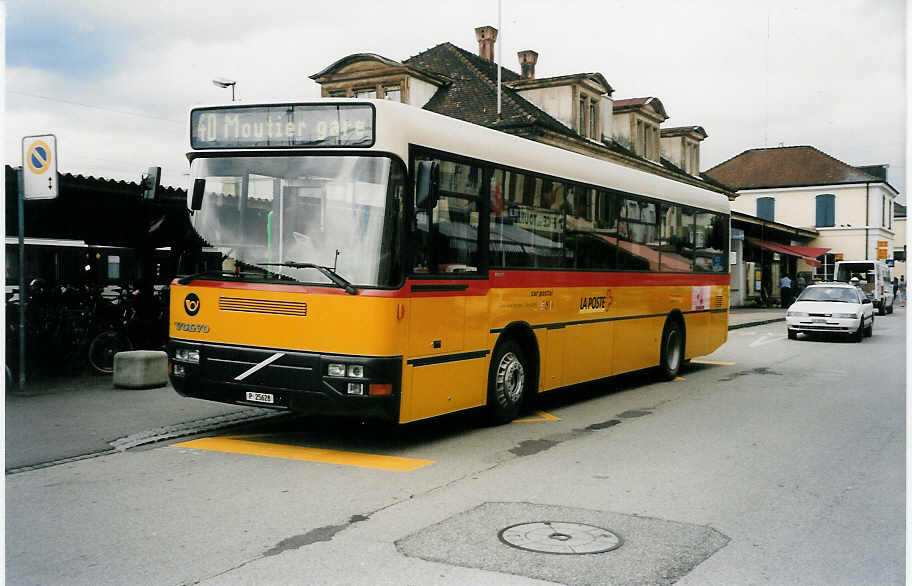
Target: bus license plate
<point>260,397</point>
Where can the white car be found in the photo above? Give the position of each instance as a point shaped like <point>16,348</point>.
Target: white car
<point>838,308</point>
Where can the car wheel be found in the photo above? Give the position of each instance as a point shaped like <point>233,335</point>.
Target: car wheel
<point>882,309</point>
<point>859,333</point>
<point>793,335</point>
<point>508,381</point>
<point>890,308</point>
<point>869,331</point>
<point>671,350</point>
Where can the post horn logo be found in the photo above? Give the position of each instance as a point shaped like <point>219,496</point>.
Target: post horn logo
<point>191,304</point>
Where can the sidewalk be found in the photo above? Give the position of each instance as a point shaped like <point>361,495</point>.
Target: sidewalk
<point>68,418</point>
<point>743,317</point>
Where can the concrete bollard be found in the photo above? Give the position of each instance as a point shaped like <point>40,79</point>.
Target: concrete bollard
<point>140,369</point>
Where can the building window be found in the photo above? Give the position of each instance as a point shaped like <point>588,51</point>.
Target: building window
<point>593,121</point>
<point>113,267</point>
<point>826,210</point>
<point>581,123</point>
<point>366,93</point>
<point>392,93</point>
<point>338,94</point>
<point>766,208</point>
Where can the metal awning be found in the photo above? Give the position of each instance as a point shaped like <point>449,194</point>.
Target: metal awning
<point>808,254</point>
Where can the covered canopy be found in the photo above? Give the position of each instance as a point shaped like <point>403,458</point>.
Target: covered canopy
<point>808,254</point>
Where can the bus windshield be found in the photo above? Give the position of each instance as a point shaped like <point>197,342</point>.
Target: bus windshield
<point>262,211</point>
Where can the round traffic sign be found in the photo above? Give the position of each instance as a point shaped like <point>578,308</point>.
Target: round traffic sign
<point>38,157</point>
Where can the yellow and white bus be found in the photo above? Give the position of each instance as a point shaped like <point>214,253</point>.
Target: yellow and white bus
<point>386,261</point>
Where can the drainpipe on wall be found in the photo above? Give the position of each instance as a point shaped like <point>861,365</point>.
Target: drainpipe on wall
<point>867,216</point>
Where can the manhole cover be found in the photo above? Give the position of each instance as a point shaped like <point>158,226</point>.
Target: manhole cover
<point>560,537</point>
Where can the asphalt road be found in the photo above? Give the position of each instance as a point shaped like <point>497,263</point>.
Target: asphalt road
<point>773,462</point>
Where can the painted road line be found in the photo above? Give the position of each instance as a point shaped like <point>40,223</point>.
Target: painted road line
<point>677,378</point>
<point>542,416</point>
<point>715,362</point>
<point>321,455</point>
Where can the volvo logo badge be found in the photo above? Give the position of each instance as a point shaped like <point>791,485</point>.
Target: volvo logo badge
<point>191,304</point>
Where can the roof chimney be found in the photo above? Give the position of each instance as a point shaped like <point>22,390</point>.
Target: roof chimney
<point>486,36</point>
<point>527,61</point>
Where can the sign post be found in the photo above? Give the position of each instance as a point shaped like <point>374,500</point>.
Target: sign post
<point>37,180</point>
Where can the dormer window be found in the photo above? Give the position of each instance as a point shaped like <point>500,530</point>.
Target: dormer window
<point>593,120</point>
<point>365,75</point>
<point>581,122</point>
<point>681,146</point>
<point>392,93</point>
<point>574,100</point>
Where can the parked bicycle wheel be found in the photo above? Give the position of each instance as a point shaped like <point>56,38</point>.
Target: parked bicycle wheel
<point>104,347</point>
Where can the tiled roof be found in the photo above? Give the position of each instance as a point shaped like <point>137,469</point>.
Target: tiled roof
<point>795,166</point>
<point>631,103</point>
<point>472,95</point>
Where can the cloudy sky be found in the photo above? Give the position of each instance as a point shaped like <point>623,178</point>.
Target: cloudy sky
<point>114,80</point>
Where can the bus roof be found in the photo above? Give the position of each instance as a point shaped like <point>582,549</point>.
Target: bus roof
<point>399,126</point>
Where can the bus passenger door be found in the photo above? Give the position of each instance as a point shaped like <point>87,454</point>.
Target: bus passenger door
<point>445,374</point>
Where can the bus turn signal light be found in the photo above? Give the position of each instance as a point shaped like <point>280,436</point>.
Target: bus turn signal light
<point>378,390</point>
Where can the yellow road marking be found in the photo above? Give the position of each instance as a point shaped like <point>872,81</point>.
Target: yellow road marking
<point>542,416</point>
<point>680,378</point>
<point>237,446</point>
<point>716,362</point>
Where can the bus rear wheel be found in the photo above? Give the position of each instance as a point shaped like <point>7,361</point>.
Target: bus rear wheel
<point>672,350</point>
<point>508,380</point>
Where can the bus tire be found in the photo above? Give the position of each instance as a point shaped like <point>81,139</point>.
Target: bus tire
<point>508,379</point>
<point>671,350</point>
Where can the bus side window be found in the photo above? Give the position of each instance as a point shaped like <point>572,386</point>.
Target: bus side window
<point>446,239</point>
<point>677,225</point>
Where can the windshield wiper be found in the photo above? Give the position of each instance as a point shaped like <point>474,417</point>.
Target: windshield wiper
<point>210,273</point>
<point>328,272</point>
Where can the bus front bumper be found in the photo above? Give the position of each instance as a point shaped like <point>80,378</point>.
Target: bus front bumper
<point>304,382</point>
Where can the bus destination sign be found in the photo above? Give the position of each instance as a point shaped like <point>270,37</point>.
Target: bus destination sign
<point>290,126</point>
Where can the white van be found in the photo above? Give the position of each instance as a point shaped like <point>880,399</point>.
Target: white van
<point>875,281</point>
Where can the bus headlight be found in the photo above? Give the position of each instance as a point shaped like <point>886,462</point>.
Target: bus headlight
<point>187,355</point>
<point>336,370</point>
<point>355,371</point>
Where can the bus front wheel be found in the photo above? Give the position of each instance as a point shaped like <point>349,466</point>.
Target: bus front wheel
<point>508,380</point>
<point>672,350</point>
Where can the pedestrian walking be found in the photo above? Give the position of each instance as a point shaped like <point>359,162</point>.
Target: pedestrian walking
<point>785,287</point>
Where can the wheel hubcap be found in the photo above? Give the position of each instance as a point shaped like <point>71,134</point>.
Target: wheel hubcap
<point>510,378</point>
<point>673,350</point>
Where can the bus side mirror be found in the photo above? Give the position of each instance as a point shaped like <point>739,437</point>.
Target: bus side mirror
<point>196,200</point>
<point>427,179</point>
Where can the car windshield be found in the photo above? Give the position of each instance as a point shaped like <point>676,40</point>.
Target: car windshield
<point>332,211</point>
<point>838,294</point>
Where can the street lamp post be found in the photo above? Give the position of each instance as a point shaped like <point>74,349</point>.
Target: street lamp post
<point>222,82</point>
